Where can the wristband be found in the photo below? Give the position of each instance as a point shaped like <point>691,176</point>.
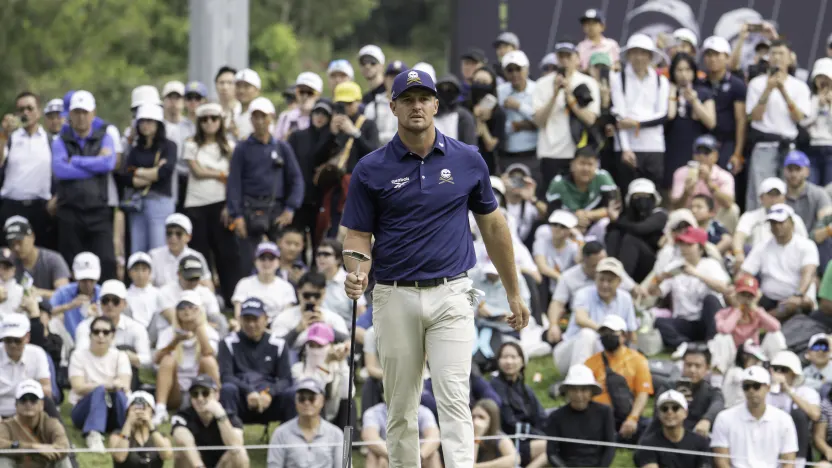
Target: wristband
<point>222,418</point>
<point>632,418</point>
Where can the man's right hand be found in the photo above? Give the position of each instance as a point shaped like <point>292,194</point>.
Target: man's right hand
<point>355,285</point>
<point>553,335</point>
<point>80,301</point>
<point>253,401</point>
<point>215,408</point>
<point>240,227</point>
<point>629,158</point>
<point>9,124</point>
<point>308,318</point>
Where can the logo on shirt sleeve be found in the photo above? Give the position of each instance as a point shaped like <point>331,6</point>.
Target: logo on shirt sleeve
<point>445,177</point>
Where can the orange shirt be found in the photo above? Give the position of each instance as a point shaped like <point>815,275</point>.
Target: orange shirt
<point>631,364</point>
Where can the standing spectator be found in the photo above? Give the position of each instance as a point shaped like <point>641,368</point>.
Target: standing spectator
<point>329,262</point>
<point>516,98</point>
<point>453,118</point>
<point>306,429</point>
<point>640,97</point>
<point>819,123</point>
<point>555,100</point>
<point>371,60</point>
<point>548,64</point>
<point>265,185</point>
<point>592,23</point>
<point>26,160</point>
<point>729,92</point>
<point>776,102</point>
<point>470,61</point>
<point>339,71</point>
<point>491,452</point>
<point>208,155</point>
<point>54,118</point>
<point>47,269</point>
<point>275,292</point>
<point>139,432</point>
<point>246,89</point>
<point>82,158</point>
<point>150,170</point>
<point>177,129</point>
<point>522,205</point>
<point>379,110</point>
<point>672,409</point>
<point>166,259</point>
<point>71,303</point>
<point>772,441</point>
<point>686,42</point>
<point>307,90</point>
<point>196,94</point>
<point>32,429</point>
<point>505,43</point>
<point>224,84</point>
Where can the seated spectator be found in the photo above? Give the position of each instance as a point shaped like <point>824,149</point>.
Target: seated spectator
<point>144,300</point>
<point>70,303</point>
<point>554,250</point>
<point>374,430</point>
<point>255,371</point>
<point>774,435</point>
<point>590,308</point>
<point>789,393</point>
<point>291,243</point>
<point>703,401</point>
<point>167,258</point>
<point>330,263</point>
<point>520,405</point>
<point>741,322</point>
<point>308,439</point>
<point>191,270</point>
<point>207,424</point>
<point>184,350</point>
<point>326,362</point>
<point>32,429</point>
<point>275,292</point>
<point>702,176</point>
<point>787,264</point>
<point>748,355</point>
<point>493,304</point>
<point>635,229</point>
<point>695,286</point>
<point>818,373</point>
<point>11,292</point>
<point>292,323</point>
<point>491,452</point>
<point>583,419</point>
<point>672,411</point>
<point>702,207</point>
<point>47,268</point>
<point>522,205</point>
<point>628,394</point>
<point>139,431</point>
<point>481,389</point>
<point>677,222</point>
<point>809,201</point>
<point>20,361</point>
<point>822,434</point>
<point>100,378</point>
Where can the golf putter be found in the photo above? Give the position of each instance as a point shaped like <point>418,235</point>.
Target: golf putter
<point>348,429</point>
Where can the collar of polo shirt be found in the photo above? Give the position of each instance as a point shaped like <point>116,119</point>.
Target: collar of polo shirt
<point>402,151</point>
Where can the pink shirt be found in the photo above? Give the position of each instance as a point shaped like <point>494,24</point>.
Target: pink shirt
<point>285,120</point>
<point>727,321</point>
<point>721,178</point>
<point>586,48</point>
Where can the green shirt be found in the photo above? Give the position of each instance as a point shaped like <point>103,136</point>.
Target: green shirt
<point>825,290</point>
<point>564,192</point>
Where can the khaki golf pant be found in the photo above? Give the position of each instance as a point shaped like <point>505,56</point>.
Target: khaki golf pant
<point>410,323</point>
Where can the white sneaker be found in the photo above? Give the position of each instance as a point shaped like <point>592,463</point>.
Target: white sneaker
<point>160,415</point>
<point>680,352</point>
<point>95,442</point>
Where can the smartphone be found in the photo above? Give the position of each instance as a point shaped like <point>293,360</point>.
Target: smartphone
<point>755,27</point>
<point>518,182</point>
<point>693,170</point>
<point>616,195</point>
<point>685,387</point>
<point>488,102</point>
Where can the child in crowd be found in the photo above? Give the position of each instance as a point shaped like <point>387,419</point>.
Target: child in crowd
<point>704,210</point>
<point>554,250</point>
<point>818,372</point>
<point>291,244</point>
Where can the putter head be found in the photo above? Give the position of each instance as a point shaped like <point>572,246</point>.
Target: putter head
<point>357,256</point>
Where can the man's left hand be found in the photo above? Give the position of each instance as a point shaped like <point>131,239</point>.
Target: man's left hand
<point>628,428</point>
<point>519,317</point>
<point>703,428</point>
<point>265,402</point>
<point>511,103</point>
<point>285,218</point>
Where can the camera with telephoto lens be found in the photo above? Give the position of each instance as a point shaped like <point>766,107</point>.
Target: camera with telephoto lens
<point>583,96</point>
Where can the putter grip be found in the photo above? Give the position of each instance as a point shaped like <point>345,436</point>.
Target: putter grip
<point>347,448</point>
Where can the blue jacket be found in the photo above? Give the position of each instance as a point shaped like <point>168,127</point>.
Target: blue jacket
<point>65,295</point>
<point>81,164</point>
<point>255,366</point>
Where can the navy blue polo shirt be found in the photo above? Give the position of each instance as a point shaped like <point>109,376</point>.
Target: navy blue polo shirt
<point>730,89</point>
<point>417,209</point>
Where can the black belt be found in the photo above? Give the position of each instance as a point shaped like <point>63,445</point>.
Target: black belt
<point>428,283</point>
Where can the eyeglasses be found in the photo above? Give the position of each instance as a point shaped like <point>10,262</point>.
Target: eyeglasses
<point>12,341</point>
<point>819,347</point>
<point>210,118</point>
<point>325,253</point>
<point>26,109</point>
<point>311,295</point>
<point>28,398</point>
<point>780,369</point>
<point>305,397</point>
<point>114,300</point>
<point>174,233</point>
<point>200,392</point>
<point>101,332</point>
<point>751,386</point>
<point>670,408</point>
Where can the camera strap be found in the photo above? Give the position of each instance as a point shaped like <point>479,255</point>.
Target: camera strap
<point>345,154</point>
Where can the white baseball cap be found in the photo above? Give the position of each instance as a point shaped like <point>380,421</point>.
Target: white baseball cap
<point>113,287</point>
<point>29,387</point>
<point>149,401</point>
<point>685,34</point>
<point>779,213</point>
<point>642,185</point>
<point>54,105</point>
<point>83,100</point>
<point>86,265</point>
<point>261,104</point>
<point>310,80</point>
<point>247,75</point>
<point>564,218</point>
<point>672,396</point>
<point>191,297</point>
<point>144,94</point>
<point>498,185</point>
<point>427,68</point>
<point>340,66</point>
<point>172,87</point>
<point>178,219</point>
<point>717,44</point>
<point>771,183</point>
<point>612,265</point>
<point>614,322</point>
<point>515,57</point>
<point>756,374</point>
<point>373,51</point>
<point>139,257</point>
<point>818,337</point>
<point>14,325</point>
<point>150,112</point>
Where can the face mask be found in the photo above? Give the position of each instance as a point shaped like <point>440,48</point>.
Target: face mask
<point>610,343</point>
<point>478,91</point>
<point>315,357</point>
<point>643,206</point>
<point>447,99</point>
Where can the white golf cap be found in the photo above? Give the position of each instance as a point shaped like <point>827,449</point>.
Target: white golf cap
<point>149,401</point>
<point>14,325</point>
<point>373,51</point>
<point>580,375</point>
<point>818,337</point>
<point>173,87</point>
<point>54,105</point>
<point>427,68</point>
<point>612,265</point>
<point>717,44</point>
<point>208,109</point>
<point>150,112</point>
<point>82,100</point>
<point>247,75</point>
<point>261,104</point>
<point>779,213</point>
<point>498,185</point>
<point>340,66</point>
<point>139,257</point>
<point>614,323</point>
<point>29,387</point>
<point>771,183</point>
<point>685,34</point>
<point>789,360</point>
<point>310,80</point>
<point>756,374</point>
<point>86,266</point>
<point>672,396</point>
<point>144,94</point>
<point>113,287</point>
<point>190,296</point>
<point>515,57</point>
<point>642,185</point>
<point>178,219</point>
<point>564,218</point>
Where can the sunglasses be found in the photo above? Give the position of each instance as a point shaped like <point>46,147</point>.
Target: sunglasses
<point>200,392</point>
<point>311,295</point>
<point>267,258</point>
<point>25,109</point>
<point>780,369</point>
<point>751,386</point>
<point>325,253</point>
<point>306,92</point>
<point>28,398</point>
<point>174,233</point>
<point>13,341</point>
<point>670,408</point>
<point>101,332</point>
<point>107,300</point>
<point>512,69</point>
<point>210,118</point>
<point>305,397</point>
<point>819,347</point>
<point>193,97</point>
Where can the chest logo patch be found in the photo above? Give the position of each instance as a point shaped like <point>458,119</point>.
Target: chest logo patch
<point>399,183</point>
<point>445,177</point>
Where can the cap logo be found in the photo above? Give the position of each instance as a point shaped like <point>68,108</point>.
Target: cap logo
<point>591,14</point>
<point>251,305</point>
<point>397,64</point>
<point>413,77</point>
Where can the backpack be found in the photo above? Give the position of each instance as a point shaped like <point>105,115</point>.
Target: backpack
<point>621,397</point>
<point>797,331</point>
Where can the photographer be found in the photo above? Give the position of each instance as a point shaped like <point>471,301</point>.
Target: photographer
<point>292,323</point>
<point>265,184</point>
<point>140,432</point>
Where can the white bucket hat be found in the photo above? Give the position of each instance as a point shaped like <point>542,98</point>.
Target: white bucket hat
<point>644,42</point>
<point>823,67</point>
<point>580,375</point>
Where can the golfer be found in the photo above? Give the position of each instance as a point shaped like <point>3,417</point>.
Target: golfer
<point>412,196</point>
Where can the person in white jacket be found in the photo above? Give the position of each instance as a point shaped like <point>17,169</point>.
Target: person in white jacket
<point>379,110</point>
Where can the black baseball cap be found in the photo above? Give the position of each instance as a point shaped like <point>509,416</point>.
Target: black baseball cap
<point>253,307</point>
<point>203,381</point>
<point>592,15</point>
<point>191,267</point>
<point>6,256</point>
<point>18,229</point>
<point>476,55</point>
